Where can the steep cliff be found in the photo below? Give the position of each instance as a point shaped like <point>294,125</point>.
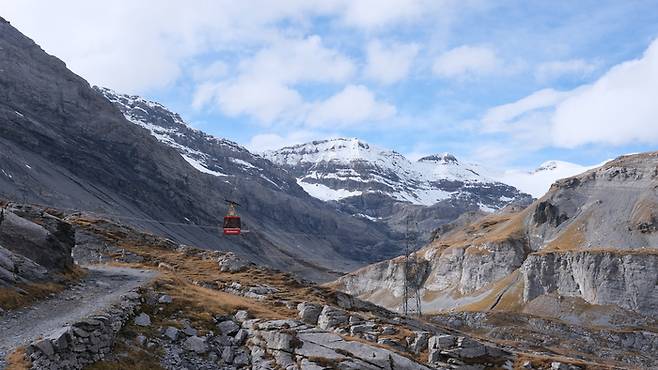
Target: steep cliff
<point>592,237</point>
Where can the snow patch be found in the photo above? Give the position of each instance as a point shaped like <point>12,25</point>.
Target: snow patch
<point>326,193</point>
<point>201,167</point>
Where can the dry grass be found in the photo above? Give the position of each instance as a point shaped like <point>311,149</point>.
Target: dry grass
<point>18,360</point>
<point>506,289</point>
<point>25,294</point>
<point>572,238</point>
<point>132,358</point>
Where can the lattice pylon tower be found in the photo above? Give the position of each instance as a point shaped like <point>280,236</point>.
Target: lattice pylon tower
<point>411,304</point>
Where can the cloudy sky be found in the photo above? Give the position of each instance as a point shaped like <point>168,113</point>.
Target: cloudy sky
<point>507,83</point>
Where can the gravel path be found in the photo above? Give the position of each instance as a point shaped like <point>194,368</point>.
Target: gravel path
<point>102,286</point>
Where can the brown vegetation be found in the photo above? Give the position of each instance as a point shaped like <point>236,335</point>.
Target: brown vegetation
<point>25,294</point>
<point>18,360</point>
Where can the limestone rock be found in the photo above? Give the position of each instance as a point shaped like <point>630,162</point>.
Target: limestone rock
<point>332,317</point>
<point>309,312</point>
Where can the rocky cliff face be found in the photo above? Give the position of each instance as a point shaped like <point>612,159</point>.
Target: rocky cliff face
<point>384,186</point>
<point>591,237</point>
<point>65,144</point>
<point>602,277</point>
<point>33,247</point>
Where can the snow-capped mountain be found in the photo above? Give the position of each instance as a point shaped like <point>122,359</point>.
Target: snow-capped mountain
<point>386,187</point>
<point>342,168</point>
<point>208,154</point>
<point>537,182</point>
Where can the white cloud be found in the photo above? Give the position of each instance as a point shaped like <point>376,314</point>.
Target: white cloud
<point>265,89</point>
<point>298,60</point>
<point>142,45</point>
<point>503,117</point>
<point>265,100</point>
<point>391,63</point>
<point>466,61</point>
<point>575,68</point>
<point>215,70</point>
<point>355,103</point>
<point>617,109</point>
<point>376,13</point>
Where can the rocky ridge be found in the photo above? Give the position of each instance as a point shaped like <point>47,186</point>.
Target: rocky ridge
<point>384,186</point>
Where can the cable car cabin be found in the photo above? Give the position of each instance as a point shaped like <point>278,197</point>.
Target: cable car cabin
<point>232,225</point>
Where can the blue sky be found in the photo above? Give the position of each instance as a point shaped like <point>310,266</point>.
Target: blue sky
<point>506,83</point>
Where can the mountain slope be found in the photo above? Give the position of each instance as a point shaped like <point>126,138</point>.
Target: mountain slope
<point>64,144</point>
<point>592,237</point>
<point>384,186</point>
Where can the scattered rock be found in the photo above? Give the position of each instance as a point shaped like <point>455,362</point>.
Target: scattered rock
<point>241,315</point>
<point>420,341</point>
<point>228,327</point>
<point>172,333</point>
<point>45,346</point>
<point>229,262</point>
<point>166,299</point>
<point>189,331</point>
<point>143,320</point>
<point>196,344</point>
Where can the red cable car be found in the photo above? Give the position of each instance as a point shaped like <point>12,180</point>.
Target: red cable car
<point>232,223</point>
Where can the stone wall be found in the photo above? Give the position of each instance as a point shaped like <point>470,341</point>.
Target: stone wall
<point>84,342</point>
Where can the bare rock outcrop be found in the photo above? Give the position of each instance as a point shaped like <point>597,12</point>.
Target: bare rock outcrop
<point>628,280</point>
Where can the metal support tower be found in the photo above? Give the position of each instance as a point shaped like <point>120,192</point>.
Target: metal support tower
<point>411,300</point>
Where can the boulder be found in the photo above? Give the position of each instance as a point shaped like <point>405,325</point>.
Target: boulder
<point>229,262</point>
<point>196,344</point>
<point>241,315</point>
<point>420,341</point>
<point>172,333</point>
<point>189,331</point>
<point>142,320</point>
<point>309,312</point>
<point>331,318</point>
<point>228,327</point>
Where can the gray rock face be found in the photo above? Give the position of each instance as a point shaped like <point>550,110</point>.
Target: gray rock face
<point>625,279</point>
<point>32,245</point>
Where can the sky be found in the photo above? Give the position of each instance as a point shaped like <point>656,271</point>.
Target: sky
<point>506,83</point>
